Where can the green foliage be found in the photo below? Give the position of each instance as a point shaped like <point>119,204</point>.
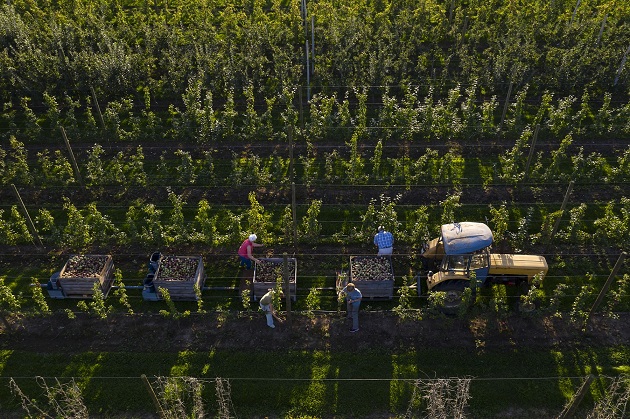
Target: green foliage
<point>258,221</point>
<point>246,296</point>
<point>418,230</point>
<point>376,161</point>
<point>435,304</point>
<point>310,228</point>
<point>8,301</point>
<point>176,228</point>
<point>499,302</point>
<point>100,227</point>
<point>576,230</point>
<point>45,224</point>
<point>121,291</point>
<point>613,226</point>
<point>172,311</point>
<point>313,301</point>
<point>205,230</point>
<point>449,205</point>
<point>95,169</point>
<point>513,161</point>
<point>199,296</point>
<point>500,220</point>
<point>287,225</point>
<point>97,305</point>
<point>15,168</point>
<point>39,301</point>
<point>556,299</point>
<point>76,233</point>
<point>13,229</point>
<point>71,315</point>
<point>619,296</point>
<point>467,301</point>
<point>55,171</point>
<point>581,305</point>
<point>403,309</point>
<point>535,294</point>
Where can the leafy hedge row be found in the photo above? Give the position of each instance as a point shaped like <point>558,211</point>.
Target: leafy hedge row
<point>200,167</point>
<point>125,48</point>
<point>145,223</point>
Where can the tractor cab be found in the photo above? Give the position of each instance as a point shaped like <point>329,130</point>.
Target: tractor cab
<point>461,249</point>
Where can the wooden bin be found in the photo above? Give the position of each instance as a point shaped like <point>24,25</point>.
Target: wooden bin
<point>374,286</point>
<point>180,288</point>
<point>82,286</point>
<point>261,288</point>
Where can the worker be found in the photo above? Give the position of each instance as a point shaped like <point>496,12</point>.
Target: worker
<point>384,240</point>
<point>353,300</point>
<point>246,249</point>
<point>266,305</point>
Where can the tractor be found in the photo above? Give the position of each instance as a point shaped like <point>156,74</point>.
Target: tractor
<point>462,252</point>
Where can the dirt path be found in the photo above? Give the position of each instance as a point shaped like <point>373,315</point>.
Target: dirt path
<point>381,331</point>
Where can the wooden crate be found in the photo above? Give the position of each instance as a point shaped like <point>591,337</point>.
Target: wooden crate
<point>82,286</point>
<point>261,288</point>
<point>180,289</point>
<point>374,287</point>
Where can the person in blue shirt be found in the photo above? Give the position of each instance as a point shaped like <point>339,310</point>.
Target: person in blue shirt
<point>384,240</point>
<point>353,298</point>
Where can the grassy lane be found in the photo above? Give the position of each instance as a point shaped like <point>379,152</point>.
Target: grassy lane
<point>321,383</point>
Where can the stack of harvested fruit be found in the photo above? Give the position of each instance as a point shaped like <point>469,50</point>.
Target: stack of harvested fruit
<point>272,270</point>
<point>177,268</point>
<point>84,266</point>
<point>371,268</point>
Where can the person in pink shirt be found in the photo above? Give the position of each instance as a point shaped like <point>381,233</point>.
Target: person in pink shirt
<point>246,249</point>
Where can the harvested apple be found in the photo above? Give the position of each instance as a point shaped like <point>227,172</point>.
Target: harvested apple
<point>177,268</point>
<point>271,270</point>
<point>84,266</point>
<point>371,268</point>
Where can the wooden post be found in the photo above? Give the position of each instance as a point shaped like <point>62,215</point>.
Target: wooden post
<point>98,108</point>
<point>29,221</point>
<point>531,150</point>
<point>574,12</point>
<point>564,204</point>
<point>156,402</point>
<point>312,44</point>
<point>607,285</point>
<point>505,106</point>
<point>301,110</point>
<point>291,167</point>
<point>569,410</point>
<point>287,285</point>
<point>294,210</point>
<point>623,62</point>
<point>308,75</point>
<point>75,166</point>
<point>601,29</point>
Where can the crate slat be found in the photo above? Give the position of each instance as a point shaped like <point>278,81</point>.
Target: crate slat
<point>377,287</point>
<point>83,287</point>
<point>182,290</point>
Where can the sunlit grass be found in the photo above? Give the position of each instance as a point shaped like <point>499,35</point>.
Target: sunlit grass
<point>322,383</point>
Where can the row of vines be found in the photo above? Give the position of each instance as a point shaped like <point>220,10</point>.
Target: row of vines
<point>123,48</point>
<point>144,223</point>
<point>353,116</point>
<point>337,166</point>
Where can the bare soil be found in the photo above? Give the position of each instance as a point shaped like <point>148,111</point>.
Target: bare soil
<point>323,331</point>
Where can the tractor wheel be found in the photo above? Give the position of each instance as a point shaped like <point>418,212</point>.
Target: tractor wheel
<point>454,292</point>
